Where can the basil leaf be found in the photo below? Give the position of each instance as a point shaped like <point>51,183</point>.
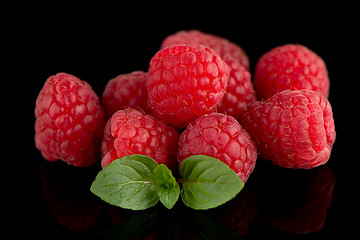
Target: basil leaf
<point>127,182</point>
<point>167,187</point>
<point>207,182</point>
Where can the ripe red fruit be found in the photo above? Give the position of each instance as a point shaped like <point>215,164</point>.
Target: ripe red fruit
<point>130,132</point>
<point>222,137</point>
<point>222,46</point>
<point>239,91</point>
<point>290,67</point>
<point>126,91</point>
<point>186,81</point>
<point>293,129</point>
<point>69,121</point>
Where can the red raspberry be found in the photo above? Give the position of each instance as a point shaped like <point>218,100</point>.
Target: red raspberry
<point>293,67</point>
<point>293,129</point>
<point>239,91</point>
<point>222,46</point>
<point>126,90</point>
<point>130,132</point>
<point>69,120</point>
<point>186,81</point>
<point>219,136</point>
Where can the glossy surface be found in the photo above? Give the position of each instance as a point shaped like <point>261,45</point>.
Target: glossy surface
<point>274,202</point>
<point>97,51</point>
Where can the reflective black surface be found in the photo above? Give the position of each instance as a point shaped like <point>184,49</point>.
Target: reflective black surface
<point>277,202</point>
<point>53,200</point>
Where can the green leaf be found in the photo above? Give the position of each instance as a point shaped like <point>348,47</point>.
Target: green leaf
<point>167,187</point>
<point>127,182</point>
<point>207,182</point>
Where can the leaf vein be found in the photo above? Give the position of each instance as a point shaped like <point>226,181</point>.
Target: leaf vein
<point>206,170</point>
<point>125,183</point>
<point>136,191</point>
<point>202,191</point>
<point>194,167</point>
<point>129,165</point>
<point>193,195</point>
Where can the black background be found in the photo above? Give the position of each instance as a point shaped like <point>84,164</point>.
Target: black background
<point>96,44</point>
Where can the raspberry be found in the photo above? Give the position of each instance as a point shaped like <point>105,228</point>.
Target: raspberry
<point>222,46</point>
<point>130,132</point>
<point>126,90</point>
<point>292,67</point>
<point>293,129</point>
<point>219,136</point>
<point>69,120</point>
<point>186,81</point>
<point>239,91</point>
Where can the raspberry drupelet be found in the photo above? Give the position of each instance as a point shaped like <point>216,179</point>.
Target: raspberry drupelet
<point>239,91</point>
<point>126,91</point>
<point>222,46</point>
<point>129,131</point>
<point>290,67</point>
<point>186,81</point>
<point>69,121</point>
<point>222,137</point>
<point>293,129</point>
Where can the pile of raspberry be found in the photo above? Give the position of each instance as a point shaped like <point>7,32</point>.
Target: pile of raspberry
<point>197,97</point>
